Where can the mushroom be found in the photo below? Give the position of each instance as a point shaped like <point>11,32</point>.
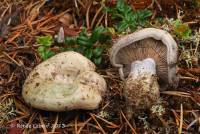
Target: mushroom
<point>65,81</point>
<point>146,59</point>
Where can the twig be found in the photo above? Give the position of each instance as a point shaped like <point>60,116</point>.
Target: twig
<point>32,23</point>
<point>11,77</point>
<point>76,126</point>
<point>29,24</point>
<point>33,116</point>
<point>12,59</point>
<point>133,130</point>
<point>187,111</point>
<point>158,4</point>
<point>97,127</point>
<point>4,12</point>
<point>80,129</point>
<point>88,17</point>
<point>14,37</point>
<point>192,123</point>
<point>177,119</point>
<point>120,129</point>
<point>177,93</point>
<point>189,78</point>
<point>108,122</point>
<point>42,124</point>
<point>95,16</point>
<point>194,70</point>
<point>106,19</point>
<point>101,18</point>
<point>52,18</point>
<point>97,123</point>
<point>76,5</point>
<point>18,118</point>
<point>106,105</point>
<point>55,124</point>
<point>81,3</point>
<point>5,96</point>
<point>185,72</point>
<point>181,120</point>
<point>75,21</point>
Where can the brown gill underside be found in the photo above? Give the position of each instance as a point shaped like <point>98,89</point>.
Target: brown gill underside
<point>146,48</point>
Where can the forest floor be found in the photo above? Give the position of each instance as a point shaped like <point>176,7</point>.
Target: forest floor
<point>22,22</point>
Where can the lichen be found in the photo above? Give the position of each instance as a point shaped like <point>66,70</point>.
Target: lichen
<point>158,109</point>
<point>7,110</point>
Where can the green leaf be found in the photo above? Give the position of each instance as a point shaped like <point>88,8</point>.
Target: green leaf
<point>84,44</point>
<point>70,49</point>
<point>98,52</point>
<point>97,61</point>
<point>70,41</point>
<point>182,30</point>
<point>45,54</point>
<point>160,20</point>
<point>96,34</point>
<point>63,49</point>
<point>45,40</point>
<point>122,26</point>
<point>146,13</point>
<point>49,54</point>
<point>41,49</point>
<point>133,27</point>
<point>121,6</point>
<point>141,16</point>
<point>127,9</point>
<point>127,18</point>
<point>79,49</point>
<point>83,32</point>
<point>107,9</point>
<point>105,38</point>
<point>88,53</point>
<point>84,41</point>
<point>176,23</point>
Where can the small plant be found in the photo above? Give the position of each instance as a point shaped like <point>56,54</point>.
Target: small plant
<point>44,50</point>
<point>181,30</point>
<point>89,45</point>
<point>158,109</point>
<point>7,110</point>
<point>128,19</point>
<point>191,55</point>
<point>104,114</point>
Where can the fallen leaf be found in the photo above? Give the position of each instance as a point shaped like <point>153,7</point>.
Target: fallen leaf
<point>66,19</point>
<point>71,31</point>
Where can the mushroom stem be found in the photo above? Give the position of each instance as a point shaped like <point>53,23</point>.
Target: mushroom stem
<point>141,86</point>
<point>146,66</point>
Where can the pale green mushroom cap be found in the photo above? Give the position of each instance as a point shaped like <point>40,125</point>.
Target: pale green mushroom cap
<point>63,82</point>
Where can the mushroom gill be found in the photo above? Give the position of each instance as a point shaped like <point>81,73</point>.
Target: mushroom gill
<point>142,49</point>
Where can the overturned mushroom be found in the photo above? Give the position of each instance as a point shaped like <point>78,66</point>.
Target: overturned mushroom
<point>65,81</point>
<point>146,59</point>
